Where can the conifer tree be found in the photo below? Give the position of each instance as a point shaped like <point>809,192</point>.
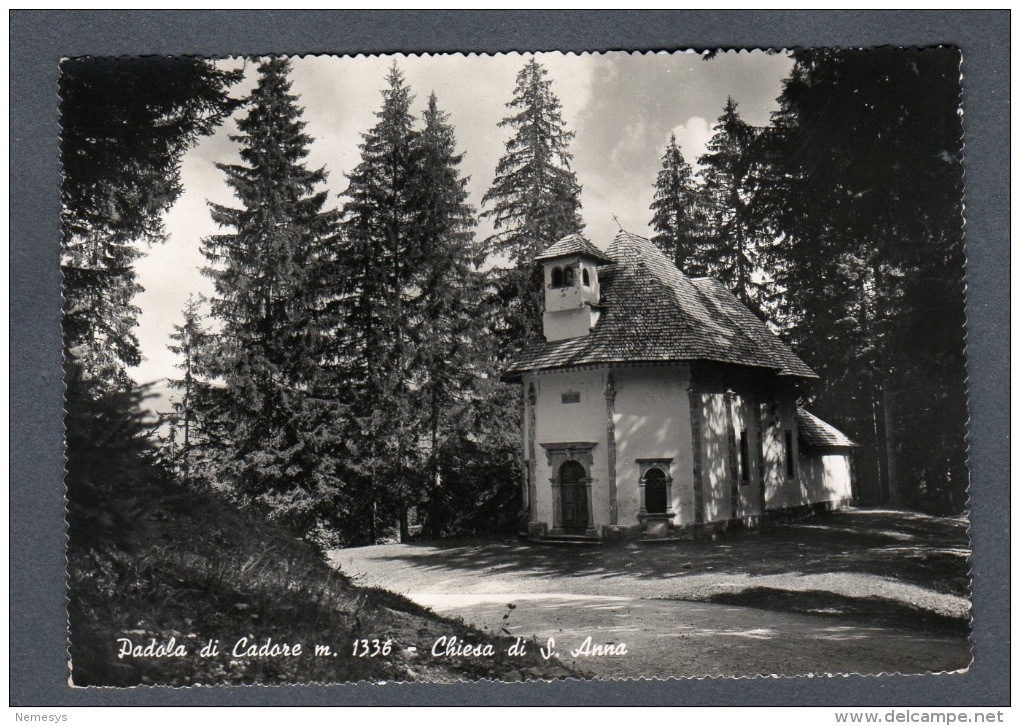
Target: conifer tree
<point>377,265</point>
<point>866,158</point>
<point>679,212</point>
<point>125,124</point>
<point>533,201</point>
<point>271,407</point>
<point>732,246</point>
<point>447,328</point>
<point>124,127</point>
<point>190,344</point>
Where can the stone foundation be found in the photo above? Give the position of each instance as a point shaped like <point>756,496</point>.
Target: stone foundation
<point>620,532</point>
<point>663,530</point>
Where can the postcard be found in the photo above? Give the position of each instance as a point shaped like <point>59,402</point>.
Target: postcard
<point>514,367</point>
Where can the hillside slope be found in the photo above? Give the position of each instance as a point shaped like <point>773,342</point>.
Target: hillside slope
<point>194,569</point>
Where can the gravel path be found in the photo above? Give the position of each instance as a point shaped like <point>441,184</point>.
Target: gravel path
<point>669,638</point>
<point>658,599</point>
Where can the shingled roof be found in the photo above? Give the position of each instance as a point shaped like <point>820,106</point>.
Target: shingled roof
<point>812,431</point>
<point>656,314</point>
<point>575,244</point>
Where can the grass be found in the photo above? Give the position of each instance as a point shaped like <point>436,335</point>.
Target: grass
<point>205,571</point>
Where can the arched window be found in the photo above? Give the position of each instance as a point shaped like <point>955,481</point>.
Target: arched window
<point>655,492</point>
<point>557,277</point>
<point>568,277</point>
<point>585,278</point>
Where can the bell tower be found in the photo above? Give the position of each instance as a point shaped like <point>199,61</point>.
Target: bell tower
<point>571,282</point>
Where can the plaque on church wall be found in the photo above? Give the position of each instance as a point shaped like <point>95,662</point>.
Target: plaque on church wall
<point>304,296</point>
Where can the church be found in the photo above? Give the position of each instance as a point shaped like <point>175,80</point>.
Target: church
<point>659,407</point>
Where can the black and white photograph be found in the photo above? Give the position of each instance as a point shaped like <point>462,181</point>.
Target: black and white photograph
<point>514,367</point>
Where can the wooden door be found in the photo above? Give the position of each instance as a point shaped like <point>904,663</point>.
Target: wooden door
<point>573,497</point>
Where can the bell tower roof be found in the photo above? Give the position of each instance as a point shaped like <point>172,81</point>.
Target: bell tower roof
<point>572,245</point>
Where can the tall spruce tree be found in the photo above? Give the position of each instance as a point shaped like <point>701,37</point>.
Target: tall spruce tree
<point>867,195</point>
<point>533,201</point>
<point>272,407</point>
<point>450,349</point>
<point>378,264</point>
<point>679,212</point>
<point>732,244</point>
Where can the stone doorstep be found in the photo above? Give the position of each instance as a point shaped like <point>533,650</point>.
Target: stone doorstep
<point>568,539</point>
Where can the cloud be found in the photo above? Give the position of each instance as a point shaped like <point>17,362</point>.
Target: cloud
<point>634,140</point>
<point>573,80</point>
<point>692,137</point>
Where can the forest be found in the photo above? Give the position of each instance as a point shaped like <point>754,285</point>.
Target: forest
<point>343,379</point>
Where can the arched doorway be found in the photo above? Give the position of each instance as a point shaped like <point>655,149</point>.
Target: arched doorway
<point>573,497</point>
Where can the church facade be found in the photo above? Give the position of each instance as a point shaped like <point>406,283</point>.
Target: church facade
<point>658,406</point>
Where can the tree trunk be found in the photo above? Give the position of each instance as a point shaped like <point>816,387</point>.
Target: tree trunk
<point>872,487</point>
<point>371,508</point>
<point>405,530</point>
<point>896,494</point>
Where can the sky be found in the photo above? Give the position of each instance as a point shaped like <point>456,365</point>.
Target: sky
<point>622,108</point>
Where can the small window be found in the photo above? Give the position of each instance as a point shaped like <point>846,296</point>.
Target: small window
<point>570,397</point>
<point>655,492</point>
<point>568,277</point>
<point>585,277</point>
<point>789,454</point>
<point>745,460</point>
<point>557,277</point>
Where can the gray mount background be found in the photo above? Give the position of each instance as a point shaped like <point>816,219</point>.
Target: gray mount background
<point>38,657</point>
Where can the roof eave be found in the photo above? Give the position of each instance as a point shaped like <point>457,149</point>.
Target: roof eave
<point>576,253</point>
<point>645,362</point>
<point>812,376</point>
<point>848,445</point>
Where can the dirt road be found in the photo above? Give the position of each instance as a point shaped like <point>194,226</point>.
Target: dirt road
<point>816,609</point>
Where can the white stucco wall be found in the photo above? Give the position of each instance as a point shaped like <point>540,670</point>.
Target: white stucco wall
<point>715,475</point>
<point>781,491</point>
<point>824,475</point>
<point>566,324</point>
<point>746,419</point>
<point>558,422</point>
<point>718,414</point>
<point>566,298</point>
<point>652,421</point>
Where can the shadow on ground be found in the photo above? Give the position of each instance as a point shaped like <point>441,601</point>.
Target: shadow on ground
<point>857,591</point>
<point>884,567</point>
<point>919,549</point>
<point>876,611</point>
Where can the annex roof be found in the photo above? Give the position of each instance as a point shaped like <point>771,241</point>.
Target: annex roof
<point>574,244</point>
<point>812,431</point>
<point>653,313</point>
